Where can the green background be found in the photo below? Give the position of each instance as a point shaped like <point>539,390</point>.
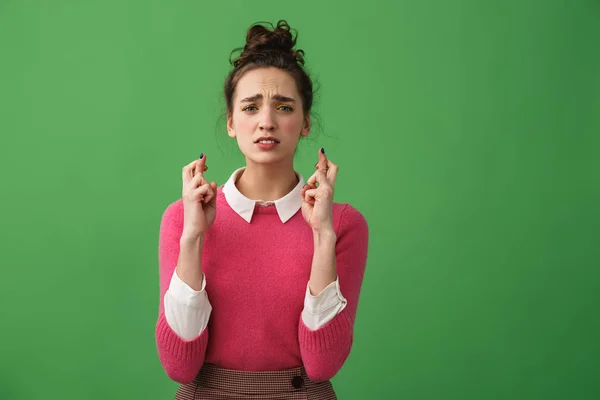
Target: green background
<point>467,132</point>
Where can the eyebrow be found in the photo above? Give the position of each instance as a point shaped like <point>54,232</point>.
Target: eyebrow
<point>276,97</point>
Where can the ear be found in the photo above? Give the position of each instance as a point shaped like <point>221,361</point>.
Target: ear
<point>230,130</point>
<point>306,129</point>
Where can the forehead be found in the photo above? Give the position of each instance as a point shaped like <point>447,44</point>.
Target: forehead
<point>266,81</point>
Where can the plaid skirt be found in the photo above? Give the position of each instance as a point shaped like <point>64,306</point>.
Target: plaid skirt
<point>216,383</point>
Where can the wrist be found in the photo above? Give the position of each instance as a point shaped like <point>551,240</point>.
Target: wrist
<point>324,236</point>
<point>191,238</point>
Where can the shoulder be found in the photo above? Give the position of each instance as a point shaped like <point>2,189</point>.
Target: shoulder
<point>172,215</point>
<point>348,218</point>
<point>352,231</point>
<point>175,207</point>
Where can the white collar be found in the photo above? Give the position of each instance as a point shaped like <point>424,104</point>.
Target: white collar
<point>286,206</point>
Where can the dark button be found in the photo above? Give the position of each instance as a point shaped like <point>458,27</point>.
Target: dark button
<point>297,382</point>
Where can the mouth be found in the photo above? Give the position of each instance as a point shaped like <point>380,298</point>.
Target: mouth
<point>266,140</point>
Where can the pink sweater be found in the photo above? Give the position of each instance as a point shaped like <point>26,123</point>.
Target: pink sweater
<point>249,268</point>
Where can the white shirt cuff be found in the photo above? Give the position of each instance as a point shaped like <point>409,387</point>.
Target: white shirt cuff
<point>187,311</point>
<point>322,308</point>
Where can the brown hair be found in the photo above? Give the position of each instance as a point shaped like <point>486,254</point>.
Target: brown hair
<point>270,48</point>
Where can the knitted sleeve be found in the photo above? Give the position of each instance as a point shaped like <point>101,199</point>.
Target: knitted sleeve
<point>181,359</point>
<point>325,350</point>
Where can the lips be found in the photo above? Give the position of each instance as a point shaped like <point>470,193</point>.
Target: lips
<point>266,138</point>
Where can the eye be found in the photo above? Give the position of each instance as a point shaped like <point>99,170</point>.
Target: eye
<point>249,108</point>
<point>286,108</point>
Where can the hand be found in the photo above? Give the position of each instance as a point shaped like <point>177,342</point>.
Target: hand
<point>199,198</point>
<point>317,195</point>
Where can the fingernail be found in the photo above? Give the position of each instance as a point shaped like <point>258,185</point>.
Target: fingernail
<point>201,156</point>
<point>322,150</point>
<point>316,165</point>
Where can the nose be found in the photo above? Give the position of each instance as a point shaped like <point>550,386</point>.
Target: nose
<point>266,121</point>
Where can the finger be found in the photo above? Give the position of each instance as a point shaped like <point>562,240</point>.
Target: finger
<point>195,169</point>
<point>332,171</point>
<point>200,164</point>
<point>198,181</point>
<point>209,195</point>
<point>305,188</point>
<point>203,192</point>
<point>318,177</point>
<point>322,164</point>
<point>187,171</point>
<point>307,199</point>
<point>213,195</point>
<point>310,196</point>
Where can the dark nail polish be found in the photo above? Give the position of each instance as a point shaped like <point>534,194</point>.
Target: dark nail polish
<point>201,156</point>
<point>322,150</point>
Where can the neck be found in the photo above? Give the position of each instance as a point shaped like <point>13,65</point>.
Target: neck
<point>268,182</point>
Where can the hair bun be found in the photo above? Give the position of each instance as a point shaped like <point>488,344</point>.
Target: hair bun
<point>260,41</point>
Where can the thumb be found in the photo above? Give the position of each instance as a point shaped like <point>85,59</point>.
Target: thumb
<point>213,186</point>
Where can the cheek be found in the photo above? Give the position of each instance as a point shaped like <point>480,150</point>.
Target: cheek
<point>291,125</point>
<point>244,126</point>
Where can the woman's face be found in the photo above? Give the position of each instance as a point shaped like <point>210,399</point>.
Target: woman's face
<point>266,104</point>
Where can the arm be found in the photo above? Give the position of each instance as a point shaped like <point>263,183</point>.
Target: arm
<point>180,358</point>
<point>320,309</point>
<point>187,311</point>
<point>325,349</point>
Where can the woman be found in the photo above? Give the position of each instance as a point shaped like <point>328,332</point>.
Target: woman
<point>260,278</point>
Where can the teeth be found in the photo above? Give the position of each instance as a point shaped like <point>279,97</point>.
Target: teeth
<point>266,141</point>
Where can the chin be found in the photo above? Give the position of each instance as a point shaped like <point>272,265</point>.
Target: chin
<point>265,157</point>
